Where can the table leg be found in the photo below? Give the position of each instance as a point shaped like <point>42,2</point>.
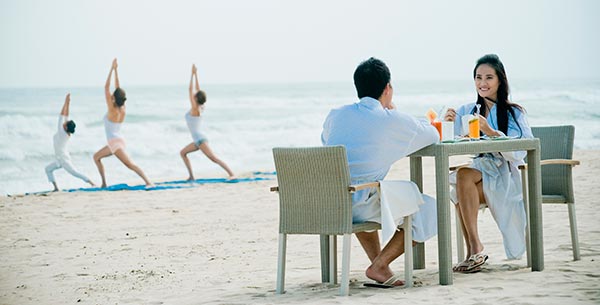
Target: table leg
<point>416,176</point>
<point>534,175</point>
<point>443,217</point>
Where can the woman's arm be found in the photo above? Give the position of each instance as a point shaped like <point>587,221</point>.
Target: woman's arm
<point>522,131</point>
<point>115,66</point>
<point>191,89</point>
<point>107,93</point>
<point>196,77</point>
<point>65,109</point>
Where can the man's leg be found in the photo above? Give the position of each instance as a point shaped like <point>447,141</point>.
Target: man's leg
<point>50,173</point>
<point>380,269</point>
<point>370,243</point>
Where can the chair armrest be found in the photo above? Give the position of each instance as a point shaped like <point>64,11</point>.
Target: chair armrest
<point>358,187</point>
<point>555,161</point>
<point>274,189</point>
<point>453,168</point>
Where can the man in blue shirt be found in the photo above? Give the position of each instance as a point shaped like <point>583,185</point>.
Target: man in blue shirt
<point>376,135</point>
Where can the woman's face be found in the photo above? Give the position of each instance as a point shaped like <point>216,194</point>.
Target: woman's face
<point>487,82</point>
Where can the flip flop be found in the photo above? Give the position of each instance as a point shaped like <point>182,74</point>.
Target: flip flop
<point>473,264</point>
<point>462,265</point>
<point>473,270</point>
<point>389,283</point>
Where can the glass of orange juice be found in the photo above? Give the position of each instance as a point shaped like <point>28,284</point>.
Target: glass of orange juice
<point>438,126</point>
<point>474,128</point>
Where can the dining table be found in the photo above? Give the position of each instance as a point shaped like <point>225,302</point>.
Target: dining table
<point>441,152</point>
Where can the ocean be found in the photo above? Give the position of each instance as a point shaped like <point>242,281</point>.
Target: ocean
<point>243,122</point>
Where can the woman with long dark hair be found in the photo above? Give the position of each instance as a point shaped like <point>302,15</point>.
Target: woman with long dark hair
<point>115,115</point>
<point>491,178</point>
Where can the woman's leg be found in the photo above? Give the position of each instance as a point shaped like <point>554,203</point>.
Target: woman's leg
<point>470,195</point>
<point>464,231</point>
<point>184,152</point>
<point>124,158</point>
<point>206,150</point>
<point>102,153</point>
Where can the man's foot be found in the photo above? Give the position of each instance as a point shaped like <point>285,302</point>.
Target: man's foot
<point>150,185</point>
<point>55,190</point>
<point>92,184</point>
<point>233,177</point>
<point>393,281</point>
<point>103,185</point>
<point>384,277</point>
<point>190,178</point>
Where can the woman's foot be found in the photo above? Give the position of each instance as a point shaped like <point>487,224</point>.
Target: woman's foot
<point>472,264</point>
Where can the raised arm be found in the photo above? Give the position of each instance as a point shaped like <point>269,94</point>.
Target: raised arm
<point>193,103</point>
<point>65,109</point>
<point>107,93</point>
<point>115,66</point>
<point>196,78</point>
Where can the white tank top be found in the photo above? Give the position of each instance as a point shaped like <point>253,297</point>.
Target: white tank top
<point>112,129</point>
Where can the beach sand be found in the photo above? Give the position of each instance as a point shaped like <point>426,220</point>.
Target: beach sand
<point>217,244</point>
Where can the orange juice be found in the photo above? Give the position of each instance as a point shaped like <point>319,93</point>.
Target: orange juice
<point>438,126</point>
<point>474,128</point>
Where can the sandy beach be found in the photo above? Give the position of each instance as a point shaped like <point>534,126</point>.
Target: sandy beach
<point>217,244</point>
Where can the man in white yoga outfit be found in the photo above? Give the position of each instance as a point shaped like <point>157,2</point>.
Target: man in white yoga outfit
<point>66,127</point>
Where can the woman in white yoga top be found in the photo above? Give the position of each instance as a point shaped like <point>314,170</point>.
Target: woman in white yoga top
<point>193,119</point>
<point>112,124</point>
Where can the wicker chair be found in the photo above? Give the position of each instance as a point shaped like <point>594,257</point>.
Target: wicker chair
<point>557,180</point>
<point>315,197</point>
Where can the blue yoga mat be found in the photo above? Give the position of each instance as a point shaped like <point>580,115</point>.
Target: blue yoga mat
<point>167,185</point>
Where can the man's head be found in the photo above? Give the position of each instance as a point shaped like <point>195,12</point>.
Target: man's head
<point>371,78</point>
<point>70,127</point>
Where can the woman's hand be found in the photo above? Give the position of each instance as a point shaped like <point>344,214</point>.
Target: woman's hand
<point>450,115</point>
<point>485,127</point>
<point>114,64</point>
<point>194,69</point>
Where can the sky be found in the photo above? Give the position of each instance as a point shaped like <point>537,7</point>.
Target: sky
<point>66,43</point>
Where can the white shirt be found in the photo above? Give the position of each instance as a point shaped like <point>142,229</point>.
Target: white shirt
<point>375,138</point>
<point>61,139</point>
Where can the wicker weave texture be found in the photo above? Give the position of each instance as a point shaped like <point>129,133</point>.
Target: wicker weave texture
<point>556,143</point>
<point>313,190</point>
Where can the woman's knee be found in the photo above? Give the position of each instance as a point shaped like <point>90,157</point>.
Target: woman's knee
<point>97,157</point>
<point>466,176</point>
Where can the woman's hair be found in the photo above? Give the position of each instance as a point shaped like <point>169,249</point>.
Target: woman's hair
<point>503,106</point>
<point>120,97</point>
<point>71,126</point>
<point>200,97</point>
<point>371,77</point>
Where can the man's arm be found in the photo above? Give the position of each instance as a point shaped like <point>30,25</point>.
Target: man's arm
<point>65,109</point>
<point>424,134</point>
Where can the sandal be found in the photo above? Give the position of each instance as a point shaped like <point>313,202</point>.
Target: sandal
<point>473,264</point>
<point>389,283</point>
